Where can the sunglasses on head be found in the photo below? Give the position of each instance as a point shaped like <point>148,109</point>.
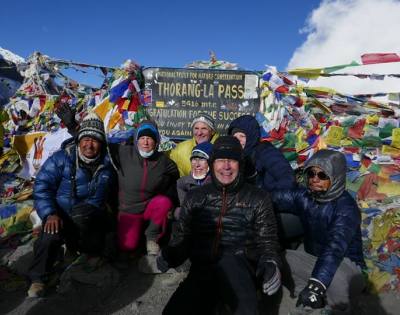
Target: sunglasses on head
<point>321,175</point>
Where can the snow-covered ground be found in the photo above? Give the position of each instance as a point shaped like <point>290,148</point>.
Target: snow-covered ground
<point>10,56</point>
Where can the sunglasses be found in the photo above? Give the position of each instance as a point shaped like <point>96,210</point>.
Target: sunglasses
<point>321,175</point>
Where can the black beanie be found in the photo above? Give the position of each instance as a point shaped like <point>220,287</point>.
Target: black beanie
<point>235,130</point>
<point>226,147</point>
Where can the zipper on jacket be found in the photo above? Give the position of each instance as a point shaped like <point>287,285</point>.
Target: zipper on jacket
<point>144,180</point>
<point>219,223</point>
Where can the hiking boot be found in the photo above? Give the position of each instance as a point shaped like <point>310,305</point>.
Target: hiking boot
<point>152,248</point>
<point>36,290</point>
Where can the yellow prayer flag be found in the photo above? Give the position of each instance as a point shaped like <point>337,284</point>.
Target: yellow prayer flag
<point>312,73</point>
<point>334,136</point>
<point>372,119</point>
<point>378,279</point>
<point>103,108</point>
<point>387,149</point>
<point>23,143</point>
<point>49,105</point>
<point>114,120</point>
<point>388,188</point>
<point>265,93</point>
<point>396,138</point>
<point>346,142</point>
<point>321,144</point>
<point>23,213</point>
<point>300,143</point>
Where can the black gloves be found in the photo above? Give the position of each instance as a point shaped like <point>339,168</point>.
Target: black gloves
<point>271,277</point>
<point>313,295</point>
<point>162,264</point>
<point>67,115</point>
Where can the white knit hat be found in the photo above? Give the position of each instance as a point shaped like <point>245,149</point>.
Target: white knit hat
<point>204,118</point>
<point>92,126</point>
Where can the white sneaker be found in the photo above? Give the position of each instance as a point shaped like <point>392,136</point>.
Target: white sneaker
<point>152,248</point>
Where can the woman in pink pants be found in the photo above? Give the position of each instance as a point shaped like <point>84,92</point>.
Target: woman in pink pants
<point>147,189</point>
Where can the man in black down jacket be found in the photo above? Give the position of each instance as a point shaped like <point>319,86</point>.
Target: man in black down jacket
<point>228,230</point>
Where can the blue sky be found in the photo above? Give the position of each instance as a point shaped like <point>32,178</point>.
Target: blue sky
<point>175,33</point>
<point>157,33</point>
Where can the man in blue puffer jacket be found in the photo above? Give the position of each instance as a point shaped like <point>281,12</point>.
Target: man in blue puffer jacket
<point>70,193</point>
<point>333,259</point>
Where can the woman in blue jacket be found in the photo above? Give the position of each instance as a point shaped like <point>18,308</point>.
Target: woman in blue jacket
<point>332,260</point>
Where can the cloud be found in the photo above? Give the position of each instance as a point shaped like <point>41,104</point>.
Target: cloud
<point>340,31</point>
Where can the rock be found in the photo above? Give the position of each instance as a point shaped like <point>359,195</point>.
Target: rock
<point>20,260</point>
<point>104,277</point>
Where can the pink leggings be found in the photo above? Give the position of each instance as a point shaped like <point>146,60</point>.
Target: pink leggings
<point>130,226</point>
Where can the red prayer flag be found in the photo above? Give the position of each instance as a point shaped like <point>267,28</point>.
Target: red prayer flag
<point>379,58</point>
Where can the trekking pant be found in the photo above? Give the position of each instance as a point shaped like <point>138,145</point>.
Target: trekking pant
<point>87,239</point>
<point>347,283</point>
<point>130,226</point>
<point>230,281</point>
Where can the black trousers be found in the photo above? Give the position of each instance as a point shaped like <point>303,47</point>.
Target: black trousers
<point>229,282</point>
<point>88,238</point>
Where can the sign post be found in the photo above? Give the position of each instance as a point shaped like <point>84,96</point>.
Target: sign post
<point>175,96</point>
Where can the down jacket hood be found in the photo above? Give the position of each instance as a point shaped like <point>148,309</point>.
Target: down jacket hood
<point>333,163</point>
<point>250,127</point>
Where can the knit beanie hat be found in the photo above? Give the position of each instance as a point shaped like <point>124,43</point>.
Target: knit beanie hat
<point>148,129</point>
<point>202,150</point>
<point>92,126</point>
<point>226,147</point>
<point>204,118</point>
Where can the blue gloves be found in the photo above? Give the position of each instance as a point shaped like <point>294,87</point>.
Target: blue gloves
<point>313,295</point>
<point>271,276</point>
<point>162,264</point>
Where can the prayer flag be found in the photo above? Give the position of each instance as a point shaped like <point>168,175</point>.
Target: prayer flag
<point>368,59</point>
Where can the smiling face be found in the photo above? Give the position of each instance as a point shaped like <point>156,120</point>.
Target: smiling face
<point>317,179</point>
<point>202,132</point>
<point>226,170</point>
<point>89,147</point>
<point>146,144</point>
<point>199,167</point>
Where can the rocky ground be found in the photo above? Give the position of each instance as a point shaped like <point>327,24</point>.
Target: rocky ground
<point>121,289</point>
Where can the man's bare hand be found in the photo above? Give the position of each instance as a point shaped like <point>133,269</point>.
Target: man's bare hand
<point>53,224</point>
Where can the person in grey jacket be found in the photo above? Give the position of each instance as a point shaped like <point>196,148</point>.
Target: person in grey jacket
<point>332,260</point>
<point>200,171</point>
<point>199,176</point>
